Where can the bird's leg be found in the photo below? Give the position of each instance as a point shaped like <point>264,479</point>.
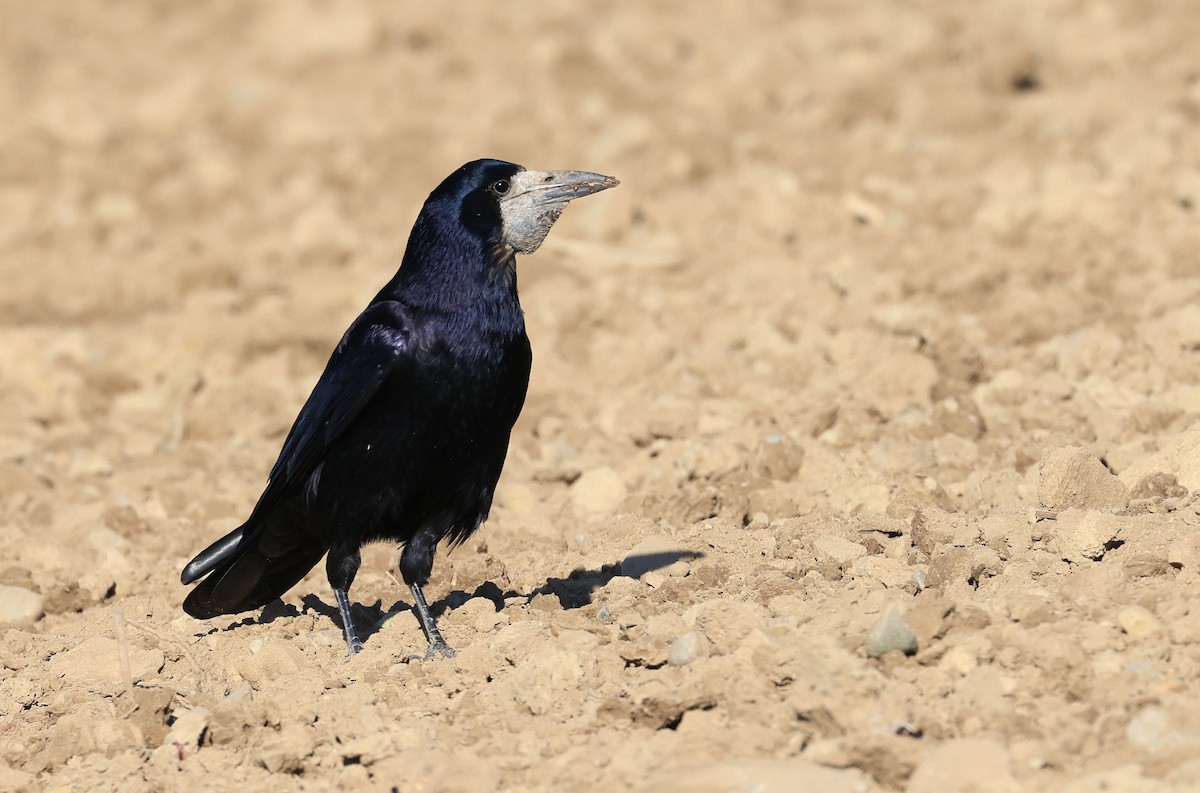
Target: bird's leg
<point>416,565</point>
<point>437,645</point>
<point>352,641</point>
<point>341,566</point>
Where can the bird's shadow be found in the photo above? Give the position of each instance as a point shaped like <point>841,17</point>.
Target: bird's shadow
<point>574,591</point>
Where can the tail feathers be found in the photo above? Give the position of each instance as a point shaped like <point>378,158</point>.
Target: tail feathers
<point>243,577</point>
<point>212,556</point>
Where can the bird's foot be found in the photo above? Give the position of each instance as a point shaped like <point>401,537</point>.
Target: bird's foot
<point>439,648</point>
<point>355,645</point>
<point>435,650</point>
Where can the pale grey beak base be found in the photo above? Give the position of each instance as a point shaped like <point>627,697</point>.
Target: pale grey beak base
<point>537,198</point>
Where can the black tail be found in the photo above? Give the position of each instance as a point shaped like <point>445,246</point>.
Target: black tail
<point>242,576</point>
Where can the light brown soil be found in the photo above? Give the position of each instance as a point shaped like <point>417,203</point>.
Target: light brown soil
<point>797,375</point>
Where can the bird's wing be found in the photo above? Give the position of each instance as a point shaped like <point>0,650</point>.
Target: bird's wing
<point>375,347</point>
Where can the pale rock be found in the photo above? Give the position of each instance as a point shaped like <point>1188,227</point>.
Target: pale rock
<point>1071,477</point>
<point>597,491</point>
<point>481,613</point>
<point>188,730</point>
<point>962,566</point>
<point>1152,728</point>
<point>687,648</point>
<point>1180,456</point>
<point>726,621</point>
<point>892,573</point>
<point>890,633</point>
<point>1008,388</point>
<point>1139,622</point>
<point>1080,535</point>
<point>838,550</point>
<point>964,658</point>
<point>20,606</point>
<point>1148,726</point>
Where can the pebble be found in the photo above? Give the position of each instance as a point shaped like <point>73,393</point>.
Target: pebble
<point>1080,535</point>
<point>890,633</point>
<point>1071,477</point>
<point>838,550</point>
<point>20,605</point>
<point>187,730</point>
<point>598,490</point>
<point>1138,622</point>
<point>1146,727</point>
<point>687,648</point>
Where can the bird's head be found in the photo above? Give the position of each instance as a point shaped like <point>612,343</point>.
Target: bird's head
<point>505,203</point>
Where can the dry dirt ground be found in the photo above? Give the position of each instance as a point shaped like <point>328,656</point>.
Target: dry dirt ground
<point>888,339</point>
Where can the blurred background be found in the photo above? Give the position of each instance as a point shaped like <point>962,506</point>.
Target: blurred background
<point>865,259</point>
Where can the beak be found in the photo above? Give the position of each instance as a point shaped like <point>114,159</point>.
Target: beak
<point>559,187</point>
<point>537,198</point>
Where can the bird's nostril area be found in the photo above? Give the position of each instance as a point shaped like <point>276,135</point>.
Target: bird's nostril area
<point>548,179</point>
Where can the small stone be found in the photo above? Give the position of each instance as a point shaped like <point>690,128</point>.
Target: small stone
<point>892,573</point>
<point>1180,457</point>
<point>890,633</point>
<point>1150,728</point>
<point>1071,477</point>
<point>1080,535</point>
<point>687,648</point>
<point>20,606</point>
<point>838,550</point>
<point>1138,622</point>
<point>959,660</point>
<point>597,491</point>
<point>187,731</point>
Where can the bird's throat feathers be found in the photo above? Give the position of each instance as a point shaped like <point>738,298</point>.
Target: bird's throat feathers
<point>447,266</point>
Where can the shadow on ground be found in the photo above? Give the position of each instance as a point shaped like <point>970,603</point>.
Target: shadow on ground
<point>574,591</point>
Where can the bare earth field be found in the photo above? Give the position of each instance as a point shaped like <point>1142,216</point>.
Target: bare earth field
<point>862,447</point>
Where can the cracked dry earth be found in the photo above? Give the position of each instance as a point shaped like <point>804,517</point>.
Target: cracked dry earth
<point>862,446</point>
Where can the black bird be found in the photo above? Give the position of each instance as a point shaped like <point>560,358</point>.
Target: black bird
<point>405,433</point>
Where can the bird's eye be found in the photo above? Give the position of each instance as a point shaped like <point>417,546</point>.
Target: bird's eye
<point>501,187</point>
